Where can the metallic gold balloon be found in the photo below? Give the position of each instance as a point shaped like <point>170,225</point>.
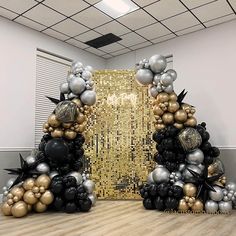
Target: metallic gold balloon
<point>77,102</point>
<point>29,197</point>
<point>173,97</point>
<point>173,106</point>
<point>10,201</point>
<point>17,191</point>
<point>53,121</point>
<point>67,125</point>
<point>70,134</point>
<point>159,126</point>
<point>180,116</point>
<point>163,97</point>
<point>45,125</point>
<point>40,207</point>
<point>82,127</point>
<point>178,125</point>
<point>186,106</point>
<point>6,209</point>
<point>168,118</point>
<point>197,206</point>
<point>190,190</point>
<point>28,184</point>
<point>191,122</point>
<point>46,198</point>
<point>57,133</point>
<point>43,181</point>
<point>29,207</point>
<point>80,118</point>
<point>183,206</point>
<point>158,111</point>
<point>19,209</point>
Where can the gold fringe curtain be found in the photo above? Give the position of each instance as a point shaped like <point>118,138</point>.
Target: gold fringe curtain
<point>119,143</point>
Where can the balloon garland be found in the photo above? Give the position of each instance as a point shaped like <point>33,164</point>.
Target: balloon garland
<point>52,178</point>
<point>189,176</point>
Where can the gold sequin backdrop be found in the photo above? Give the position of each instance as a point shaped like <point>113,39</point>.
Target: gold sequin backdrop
<point>119,143</point>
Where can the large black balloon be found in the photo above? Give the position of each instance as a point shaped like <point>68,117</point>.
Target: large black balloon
<point>70,207</point>
<point>148,204</point>
<point>159,203</point>
<point>58,203</point>
<point>56,186</point>
<point>171,203</point>
<point>57,150</point>
<point>163,189</point>
<point>85,205</point>
<point>70,193</point>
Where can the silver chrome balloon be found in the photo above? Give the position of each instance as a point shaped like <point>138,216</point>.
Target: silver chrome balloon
<point>71,95</point>
<point>225,207</point>
<point>160,174</point>
<point>88,97</point>
<point>166,79</point>
<point>150,180</point>
<point>70,77</point>
<point>53,174</point>
<point>153,91</point>
<point>211,206</point>
<point>172,73</point>
<point>195,157</point>
<point>10,182</point>
<point>157,63</point>
<point>89,185</point>
<point>231,186</point>
<point>182,167</point>
<point>169,89</point>
<point>179,183</point>
<point>217,195</point>
<point>93,198</point>
<point>175,176</point>
<point>157,78</point>
<point>89,68</point>
<point>86,75</point>
<point>77,176</point>
<point>30,159</point>
<point>64,88</point>
<point>187,176</point>
<point>43,168</point>
<point>77,85</point>
<point>144,76</point>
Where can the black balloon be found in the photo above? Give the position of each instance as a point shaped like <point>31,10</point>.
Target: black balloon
<point>70,207</point>
<point>171,203</point>
<point>58,203</point>
<point>163,189</point>
<point>85,205</point>
<point>148,204</point>
<point>69,181</point>
<point>70,193</point>
<point>159,203</point>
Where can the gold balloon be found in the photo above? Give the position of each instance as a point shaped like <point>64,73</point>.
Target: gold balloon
<point>191,122</point>
<point>159,126</point>
<point>163,97</point>
<point>53,121</point>
<point>158,111</point>
<point>46,198</point>
<point>211,170</point>
<point>19,209</point>
<point>6,209</point>
<point>40,207</point>
<point>173,97</point>
<point>45,125</point>
<point>17,191</point>
<point>197,206</point>
<point>186,106</point>
<point>173,106</point>
<point>70,134</point>
<point>43,181</point>
<point>57,133</point>
<point>28,184</point>
<point>183,206</point>
<point>77,102</point>
<point>190,190</point>
<point>180,116</point>
<point>10,201</point>
<point>67,125</point>
<point>29,207</point>
<point>29,197</point>
<point>178,125</point>
<point>168,118</point>
<point>82,127</point>
<point>81,118</point>
<point>35,189</point>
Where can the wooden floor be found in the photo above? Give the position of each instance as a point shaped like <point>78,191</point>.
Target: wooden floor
<point>119,218</point>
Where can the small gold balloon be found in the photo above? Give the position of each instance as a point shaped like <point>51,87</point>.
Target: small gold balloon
<point>9,195</point>
<point>168,118</point>
<point>77,102</point>
<point>45,125</point>
<point>173,106</point>
<point>190,190</point>
<point>81,118</point>
<point>15,199</point>
<point>191,122</point>
<point>163,97</point>
<point>197,206</point>
<point>43,181</point>
<point>41,189</point>
<point>50,129</point>
<point>57,133</point>
<point>186,106</point>
<point>70,134</point>
<point>180,116</point>
<point>67,125</point>
<point>37,195</point>
<point>183,206</point>
<point>28,184</point>
<point>35,189</point>
<point>40,207</point>
<point>158,111</point>
<point>211,170</point>
<point>53,121</point>
<point>17,191</point>
<point>19,209</point>
<point>173,97</point>
<point>178,125</point>
<point>47,198</point>
<point>6,209</point>
<point>159,126</point>
<point>29,197</point>
<point>10,201</point>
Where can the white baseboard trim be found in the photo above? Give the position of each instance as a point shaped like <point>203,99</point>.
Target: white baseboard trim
<point>16,149</point>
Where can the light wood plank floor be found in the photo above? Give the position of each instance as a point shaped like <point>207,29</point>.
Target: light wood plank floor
<point>119,218</point>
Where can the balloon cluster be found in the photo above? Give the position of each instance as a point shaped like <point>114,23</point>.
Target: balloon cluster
<point>31,194</point>
<point>189,175</point>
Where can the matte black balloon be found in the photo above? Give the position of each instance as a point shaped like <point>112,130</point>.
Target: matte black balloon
<point>79,153</point>
<point>169,155</point>
<point>215,152</point>
<point>175,191</point>
<point>69,181</point>
<point>58,203</point>
<point>205,147</point>
<point>148,204</point>
<point>172,166</point>
<point>46,137</point>
<point>205,136</point>
<point>70,193</point>
<point>70,207</point>
<point>56,187</point>
<point>65,169</point>
<point>42,146</point>
<point>208,160</point>
<point>158,137</point>
<point>77,165</point>
<point>85,205</point>
<point>159,203</point>
<point>152,190</point>
<point>162,189</point>
<point>171,203</point>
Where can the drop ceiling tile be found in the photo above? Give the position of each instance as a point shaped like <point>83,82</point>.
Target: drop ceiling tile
<point>88,36</point>
<point>76,43</point>
<point>92,17</point>
<point>106,56</point>
<point>233,4</point>
<point>213,10</point>
<point>44,15</point>
<point>8,14</point>
<point>67,8</point>
<point>136,19</point>
<point>165,8</point>
<point>112,47</point>
<point>70,27</point>
<point>190,30</point>
<point>32,24</point>
<point>17,6</point>
<point>163,38</point>
<point>131,39</point>
<point>181,21</point>
<point>220,20</point>
<point>55,34</point>
<point>196,3</point>
<point>143,3</point>
<point>140,45</point>
<point>120,52</point>
<point>95,51</point>
<point>153,31</point>
<point>92,1</point>
<point>113,27</point>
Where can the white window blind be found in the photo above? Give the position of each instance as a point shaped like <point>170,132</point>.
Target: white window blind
<point>51,70</point>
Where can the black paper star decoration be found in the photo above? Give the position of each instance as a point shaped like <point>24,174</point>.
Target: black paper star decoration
<point>56,101</point>
<point>205,183</point>
<point>181,97</point>
<point>25,171</point>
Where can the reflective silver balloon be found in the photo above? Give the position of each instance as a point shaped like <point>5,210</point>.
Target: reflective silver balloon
<point>157,78</point>
<point>30,160</point>
<point>144,76</point>
<point>190,139</point>
<point>217,195</point>
<point>71,95</point>
<point>211,207</point>
<point>76,67</point>
<point>172,73</point>
<point>89,68</point>
<point>77,176</point>
<point>179,183</point>
<point>169,89</point>
<point>225,207</point>
<point>77,85</point>
<point>157,63</point>
<point>66,111</point>
<point>93,198</point>
<point>88,87</point>
<point>86,75</point>
<point>150,180</point>
<point>187,176</point>
<point>43,168</point>
<point>10,182</point>
<point>201,167</point>
<point>195,157</point>
<point>89,185</point>
<point>182,167</point>
<point>70,77</point>
<point>53,174</point>
<point>88,97</point>
<point>166,79</point>
<point>153,91</point>
<point>231,186</point>
<point>160,174</point>
<point>64,88</point>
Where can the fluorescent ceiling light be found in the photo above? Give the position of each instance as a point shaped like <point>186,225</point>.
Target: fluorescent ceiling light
<point>116,8</point>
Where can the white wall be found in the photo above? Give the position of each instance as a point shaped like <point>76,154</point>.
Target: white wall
<point>18,46</point>
<point>205,62</point>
